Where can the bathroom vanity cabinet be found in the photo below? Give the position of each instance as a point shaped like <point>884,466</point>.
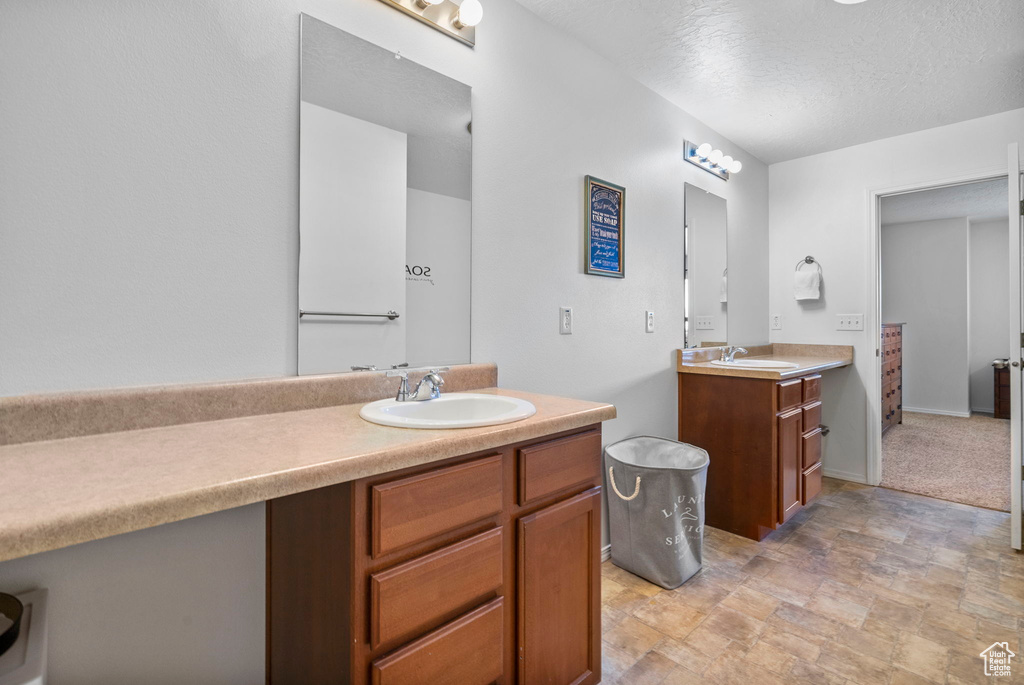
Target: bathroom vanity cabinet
<point>479,569</point>
<point>764,439</point>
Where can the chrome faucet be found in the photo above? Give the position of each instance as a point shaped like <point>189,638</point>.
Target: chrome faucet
<point>432,379</point>
<point>729,353</point>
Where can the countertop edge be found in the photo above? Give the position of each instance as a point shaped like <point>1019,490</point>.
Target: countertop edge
<point>95,525</point>
<point>704,369</point>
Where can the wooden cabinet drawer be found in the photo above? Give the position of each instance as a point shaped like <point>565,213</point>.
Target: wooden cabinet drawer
<point>547,467</point>
<point>812,416</point>
<point>467,651</point>
<point>790,394</point>
<point>420,507</point>
<point>812,387</point>
<point>811,448</point>
<point>812,483</point>
<point>421,593</point>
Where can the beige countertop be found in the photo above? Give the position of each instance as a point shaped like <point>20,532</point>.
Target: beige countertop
<point>71,490</point>
<point>809,358</point>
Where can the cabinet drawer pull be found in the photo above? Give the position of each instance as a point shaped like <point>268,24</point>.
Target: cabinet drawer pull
<point>611,479</point>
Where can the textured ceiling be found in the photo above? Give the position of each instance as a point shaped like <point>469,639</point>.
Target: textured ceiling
<point>977,201</point>
<point>357,78</point>
<point>789,78</point>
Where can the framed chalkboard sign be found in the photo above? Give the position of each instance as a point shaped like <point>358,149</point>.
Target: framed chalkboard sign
<point>605,208</point>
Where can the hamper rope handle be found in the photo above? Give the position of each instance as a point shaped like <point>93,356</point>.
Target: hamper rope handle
<point>611,479</point>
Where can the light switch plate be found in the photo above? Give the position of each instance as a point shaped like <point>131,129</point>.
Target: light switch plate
<point>705,323</point>
<point>776,322</point>
<point>565,320</point>
<point>849,322</point>
<point>650,321</point>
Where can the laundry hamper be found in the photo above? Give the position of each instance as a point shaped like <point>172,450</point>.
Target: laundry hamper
<point>656,507</point>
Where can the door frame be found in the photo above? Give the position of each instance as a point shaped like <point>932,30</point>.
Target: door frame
<point>873,324</point>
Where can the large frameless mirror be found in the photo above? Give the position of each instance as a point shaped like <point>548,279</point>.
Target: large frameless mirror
<point>706,268</point>
<point>385,169</point>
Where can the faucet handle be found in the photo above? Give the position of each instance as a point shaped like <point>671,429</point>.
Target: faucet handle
<point>403,365</point>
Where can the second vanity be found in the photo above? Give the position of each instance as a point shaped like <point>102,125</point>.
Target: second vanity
<point>761,428</point>
<point>394,556</point>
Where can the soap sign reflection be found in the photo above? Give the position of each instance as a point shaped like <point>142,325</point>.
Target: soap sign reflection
<point>605,227</point>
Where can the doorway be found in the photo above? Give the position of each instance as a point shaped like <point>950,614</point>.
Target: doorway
<point>944,287</point>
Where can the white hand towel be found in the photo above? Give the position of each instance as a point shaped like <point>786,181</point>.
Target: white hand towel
<point>724,295</point>
<point>806,285</point>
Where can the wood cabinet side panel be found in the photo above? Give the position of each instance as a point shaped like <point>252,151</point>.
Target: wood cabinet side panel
<point>734,420</point>
<point>309,606</point>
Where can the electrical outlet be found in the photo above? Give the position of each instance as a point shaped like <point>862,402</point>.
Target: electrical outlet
<point>705,323</point>
<point>776,322</point>
<point>650,322</point>
<point>565,320</point>
<point>849,322</point>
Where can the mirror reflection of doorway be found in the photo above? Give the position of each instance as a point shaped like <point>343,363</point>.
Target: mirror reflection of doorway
<point>944,298</point>
<point>706,276</point>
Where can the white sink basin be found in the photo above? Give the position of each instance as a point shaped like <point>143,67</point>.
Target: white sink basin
<point>457,410</point>
<point>756,364</point>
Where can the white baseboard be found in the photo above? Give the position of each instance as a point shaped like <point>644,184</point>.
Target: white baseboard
<point>844,475</point>
<point>606,553</point>
<point>939,412</point>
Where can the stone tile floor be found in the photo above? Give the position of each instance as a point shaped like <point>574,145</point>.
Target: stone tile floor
<point>866,585</point>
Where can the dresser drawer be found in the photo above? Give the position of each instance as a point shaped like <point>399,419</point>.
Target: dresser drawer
<point>812,388</point>
<point>411,597</point>
<point>790,394</point>
<point>812,416</point>
<point>548,467</point>
<point>467,651</point>
<point>811,448</point>
<point>812,483</point>
<point>420,507</point>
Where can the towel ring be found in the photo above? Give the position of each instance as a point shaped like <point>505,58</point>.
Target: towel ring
<point>808,260</point>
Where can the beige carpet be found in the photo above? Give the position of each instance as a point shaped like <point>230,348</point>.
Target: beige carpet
<point>960,460</point>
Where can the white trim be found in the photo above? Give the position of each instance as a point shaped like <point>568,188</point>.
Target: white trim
<point>939,412</point>
<point>606,553</point>
<point>873,305</point>
<point>1015,332</point>
<point>844,475</point>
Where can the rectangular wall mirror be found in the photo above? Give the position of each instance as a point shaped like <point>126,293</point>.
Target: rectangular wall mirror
<point>385,181</point>
<point>706,268</point>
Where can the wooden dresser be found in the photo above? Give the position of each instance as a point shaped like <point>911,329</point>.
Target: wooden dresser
<point>479,569</point>
<point>1002,392</point>
<point>892,375</point>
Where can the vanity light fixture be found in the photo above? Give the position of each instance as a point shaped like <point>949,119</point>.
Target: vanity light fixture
<point>454,18</point>
<point>711,160</point>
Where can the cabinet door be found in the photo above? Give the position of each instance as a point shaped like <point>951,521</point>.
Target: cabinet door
<point>790,463</point>
<point>559,593</point>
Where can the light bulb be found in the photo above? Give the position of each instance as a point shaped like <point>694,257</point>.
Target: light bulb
<point>704,150</point>
<point>726,161</point>
<point>715,157</point>
<point>470,13</point>
<point>735,167</point>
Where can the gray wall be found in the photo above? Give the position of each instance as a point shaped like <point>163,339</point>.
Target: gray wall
<point>148,234</point>
<point>924,284</point>
<point>990,300</point>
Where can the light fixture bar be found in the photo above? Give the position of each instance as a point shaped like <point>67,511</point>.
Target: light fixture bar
<point>711,160</point>
<point>443,15</point>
